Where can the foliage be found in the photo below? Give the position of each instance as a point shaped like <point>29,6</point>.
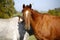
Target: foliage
<point>18,14</point>
<point>55,12</point>
<point>32,37</point>
<point>7,8</point>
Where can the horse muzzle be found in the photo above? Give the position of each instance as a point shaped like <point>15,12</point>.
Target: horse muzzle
<point>27,27</point>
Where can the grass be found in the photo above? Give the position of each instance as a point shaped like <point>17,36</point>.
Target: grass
<point>32,37</point>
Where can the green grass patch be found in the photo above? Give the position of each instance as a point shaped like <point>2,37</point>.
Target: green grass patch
<point>32,37</point>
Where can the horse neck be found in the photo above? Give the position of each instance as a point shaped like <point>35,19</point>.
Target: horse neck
<point>35,17</point>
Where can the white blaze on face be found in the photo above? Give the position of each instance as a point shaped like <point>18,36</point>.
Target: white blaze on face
<point>27,13</point>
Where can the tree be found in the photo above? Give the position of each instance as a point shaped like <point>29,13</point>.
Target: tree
<point>55,12</point>
<point>6,8</point>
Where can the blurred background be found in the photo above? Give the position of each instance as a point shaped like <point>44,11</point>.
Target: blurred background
<point>39,5</point>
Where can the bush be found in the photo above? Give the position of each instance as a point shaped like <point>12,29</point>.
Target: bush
<point>55,12</point>
<point>7,8</point>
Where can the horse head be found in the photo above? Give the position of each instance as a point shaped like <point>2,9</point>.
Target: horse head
<point>26,15</point>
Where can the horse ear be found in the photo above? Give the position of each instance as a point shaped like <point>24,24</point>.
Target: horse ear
<point>23,5</point>
<point>30,5</point>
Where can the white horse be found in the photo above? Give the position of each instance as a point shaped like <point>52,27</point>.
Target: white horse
<point>9,29</point>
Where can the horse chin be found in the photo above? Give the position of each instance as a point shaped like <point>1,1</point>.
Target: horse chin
<point>27,28</point>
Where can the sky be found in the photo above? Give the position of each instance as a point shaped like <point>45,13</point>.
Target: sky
<point>40,5</point>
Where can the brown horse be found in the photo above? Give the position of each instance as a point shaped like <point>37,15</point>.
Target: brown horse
<point>45,26</point>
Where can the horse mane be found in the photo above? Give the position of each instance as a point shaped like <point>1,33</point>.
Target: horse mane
<point>36,13</point>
